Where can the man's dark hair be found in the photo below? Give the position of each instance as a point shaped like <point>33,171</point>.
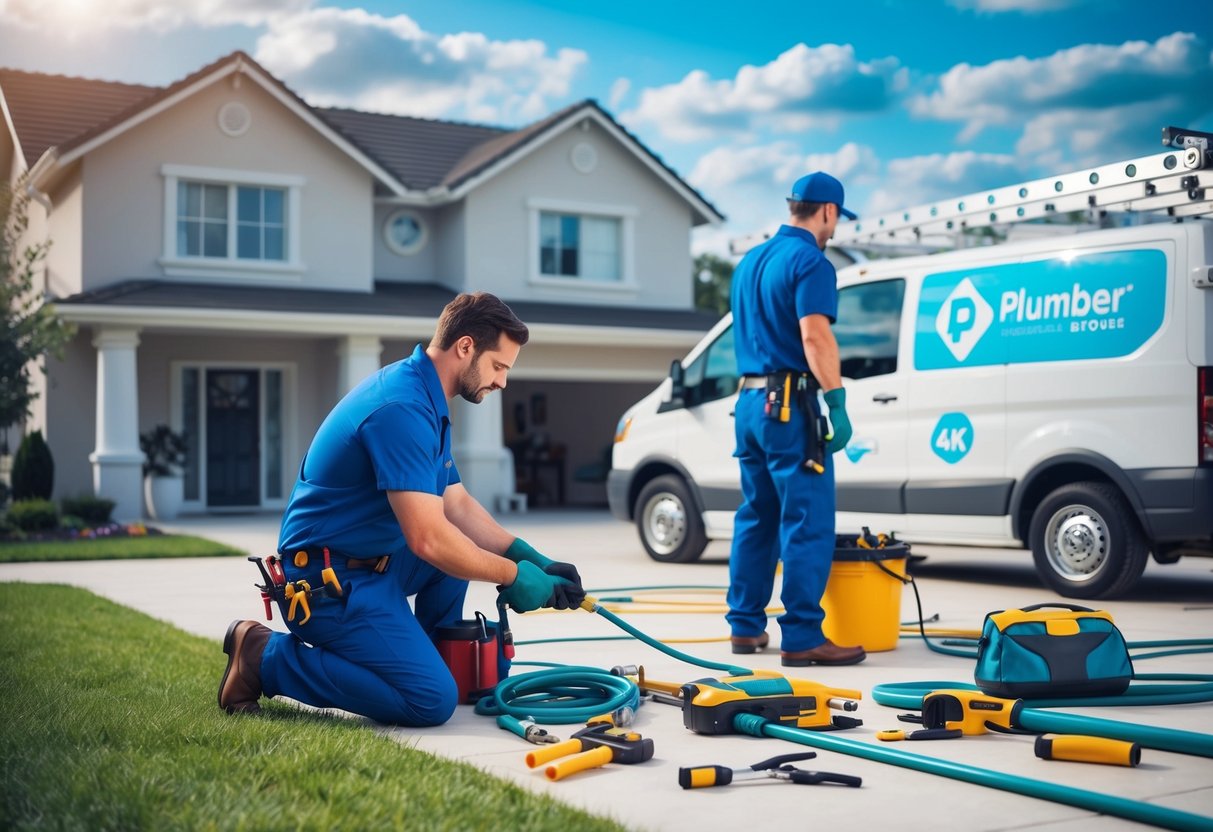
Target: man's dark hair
<point>482,316</point>
<point>803,210</point>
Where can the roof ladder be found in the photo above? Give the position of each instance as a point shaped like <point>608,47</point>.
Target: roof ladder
<point>1177,183</point>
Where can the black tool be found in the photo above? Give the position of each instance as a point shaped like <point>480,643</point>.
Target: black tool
<point>777,768</point>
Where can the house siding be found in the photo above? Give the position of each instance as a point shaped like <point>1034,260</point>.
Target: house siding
<point>419,267</point>
<point>500,259</point>
<point>68,412</point>
<point>123,215</point>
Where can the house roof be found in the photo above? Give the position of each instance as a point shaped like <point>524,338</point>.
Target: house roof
<point>413,300</point>
<point>51,110</point>
<point>405,153</point>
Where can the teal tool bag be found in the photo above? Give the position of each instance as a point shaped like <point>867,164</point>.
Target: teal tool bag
<point>1049,650</point>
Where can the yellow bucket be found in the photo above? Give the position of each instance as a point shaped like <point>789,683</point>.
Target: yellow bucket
<point>862,601</point>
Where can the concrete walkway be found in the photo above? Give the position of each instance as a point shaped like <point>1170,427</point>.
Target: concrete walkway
<point>959,584</point>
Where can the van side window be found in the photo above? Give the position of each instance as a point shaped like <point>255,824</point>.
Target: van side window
<point>713,374</point>
<point>869,322</point>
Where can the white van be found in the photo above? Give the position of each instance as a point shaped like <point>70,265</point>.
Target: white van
<point>1055,394</point>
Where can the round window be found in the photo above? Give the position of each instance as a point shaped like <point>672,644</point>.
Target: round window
<point>404,232</point>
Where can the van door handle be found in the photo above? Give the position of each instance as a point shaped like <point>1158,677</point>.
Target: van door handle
<point>884,398</point>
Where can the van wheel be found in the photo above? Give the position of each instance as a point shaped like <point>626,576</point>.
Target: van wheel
<point>1086,541</point>
<point>670,526</point>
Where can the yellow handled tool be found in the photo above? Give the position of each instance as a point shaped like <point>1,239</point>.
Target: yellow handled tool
<point>593,758</point>
<point>297,593</point>
<point>785,410</point>
<point>1082,749</point>
<point>552,752</point>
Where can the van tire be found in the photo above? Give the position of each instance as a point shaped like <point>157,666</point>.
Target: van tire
<point>1086,541</point>
<point>670,526</point>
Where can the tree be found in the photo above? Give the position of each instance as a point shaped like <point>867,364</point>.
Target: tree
<point>712,277</point>
<point>29,328</point>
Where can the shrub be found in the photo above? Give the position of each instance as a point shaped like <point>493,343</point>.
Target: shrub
<point>33,515</point>
<point>94,511</point>
<point>164,449</point>
<point>4,492</point>
<point>72,523</point>
<point>33,469</point>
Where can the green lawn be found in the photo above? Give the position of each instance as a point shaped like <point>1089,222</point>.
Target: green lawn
<point>114,548</point>
<point>111,723</point>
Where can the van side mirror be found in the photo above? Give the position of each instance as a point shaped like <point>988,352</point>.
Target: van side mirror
<point>678,388</point>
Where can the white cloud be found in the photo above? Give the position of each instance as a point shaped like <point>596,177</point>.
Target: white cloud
<point>919,179</point>
<point>80,16</point>
<point>803,87</point>
<point>1173,73</point>
<point>774,167</point>
<point>619,89</point>
<point>352,58</point>
<point>1028,6</point>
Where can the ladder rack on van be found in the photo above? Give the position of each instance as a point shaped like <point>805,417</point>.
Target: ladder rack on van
<point>1177,183</point>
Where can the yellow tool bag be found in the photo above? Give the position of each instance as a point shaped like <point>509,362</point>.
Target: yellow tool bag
<point>1049,650</point>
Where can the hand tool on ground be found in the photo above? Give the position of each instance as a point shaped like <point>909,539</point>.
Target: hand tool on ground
<point>591,747</point>
<point>778,768</point>
<point>893,735</point>
<point>710,705</point>
<point>1088,750</point>
<point>527,729</point>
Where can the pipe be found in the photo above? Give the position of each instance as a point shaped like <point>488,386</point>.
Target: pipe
<point>1121,807</point>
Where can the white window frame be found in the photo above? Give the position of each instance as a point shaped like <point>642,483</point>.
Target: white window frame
<point>290,427</point>
<point>231,267</point>
<point>625,214</point>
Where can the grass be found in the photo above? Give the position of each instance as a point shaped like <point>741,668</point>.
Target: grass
<point>111,723</point>
<point>114,548</point>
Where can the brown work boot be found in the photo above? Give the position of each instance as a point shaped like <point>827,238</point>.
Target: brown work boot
<point>826,653</point>
<point>241,686</point>
<point>749,644</point>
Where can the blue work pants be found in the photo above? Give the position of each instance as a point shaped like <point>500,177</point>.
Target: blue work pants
<point>369,653</point>
<point>787,513</point>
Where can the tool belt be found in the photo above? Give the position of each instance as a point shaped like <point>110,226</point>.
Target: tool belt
<point>785,388</point>
<point>299,595</point>
<point>775,380</point>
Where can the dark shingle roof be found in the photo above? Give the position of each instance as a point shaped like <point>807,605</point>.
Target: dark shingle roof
<point>414,300</point>
<point>419,152</point>
<point>50,110</point>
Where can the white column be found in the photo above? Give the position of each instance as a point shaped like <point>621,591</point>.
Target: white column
<point>117,460</point>
<point>485,464</point>
<point>358,357</point>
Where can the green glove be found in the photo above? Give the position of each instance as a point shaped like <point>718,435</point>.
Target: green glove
<point>520,551</point>
<point>532,588</point>
<point>840,423</point>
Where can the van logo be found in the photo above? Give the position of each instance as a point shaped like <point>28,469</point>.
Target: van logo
<point>857,449</point>
<point>952,438</point>
<point>963,318</point>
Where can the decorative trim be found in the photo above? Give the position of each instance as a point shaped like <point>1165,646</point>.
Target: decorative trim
<point>234,118</point>
<point>583,157</point>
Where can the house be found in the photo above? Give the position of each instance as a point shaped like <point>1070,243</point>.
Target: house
<point>236,260</point>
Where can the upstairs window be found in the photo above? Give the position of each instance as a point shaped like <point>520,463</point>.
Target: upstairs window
<point>586,247</point>
<point>227,221</point>
<point>230,222</point>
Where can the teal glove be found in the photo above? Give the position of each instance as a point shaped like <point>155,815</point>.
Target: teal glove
<point>840,423</point>
<point>532,588</point>
<point>520,551</point>
<point>568,595</point>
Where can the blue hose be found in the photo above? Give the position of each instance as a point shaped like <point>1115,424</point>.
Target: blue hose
<point>756,726</point>
<point>561,696</point>
<point>909,695</point>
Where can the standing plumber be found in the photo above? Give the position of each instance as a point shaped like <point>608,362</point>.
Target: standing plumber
<point>379,501</point>
<point>784,299</point>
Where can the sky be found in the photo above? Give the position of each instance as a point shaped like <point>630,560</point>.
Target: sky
<point>905,101</point>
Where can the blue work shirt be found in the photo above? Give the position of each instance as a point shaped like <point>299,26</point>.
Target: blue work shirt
<point>774,286</point>
<point>390,433</point>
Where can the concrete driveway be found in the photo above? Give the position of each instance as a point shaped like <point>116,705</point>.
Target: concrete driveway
<point>960,585</point>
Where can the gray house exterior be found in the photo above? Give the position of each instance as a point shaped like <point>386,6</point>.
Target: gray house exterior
<point>236,260</point>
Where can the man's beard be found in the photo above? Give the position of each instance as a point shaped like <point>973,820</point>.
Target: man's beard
<point>469,385</point>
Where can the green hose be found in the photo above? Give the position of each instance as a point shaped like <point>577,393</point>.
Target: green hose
<point>591,604</point>
<point>561,696</point>
<point>756,726</point>
<point>909,695</point>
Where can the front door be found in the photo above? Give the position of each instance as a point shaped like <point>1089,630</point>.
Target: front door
<point>233,450</point>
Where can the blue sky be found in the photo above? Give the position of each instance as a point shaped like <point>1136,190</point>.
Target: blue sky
<point>904,100</point>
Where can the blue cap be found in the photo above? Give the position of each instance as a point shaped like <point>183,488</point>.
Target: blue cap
<point>820,187</point>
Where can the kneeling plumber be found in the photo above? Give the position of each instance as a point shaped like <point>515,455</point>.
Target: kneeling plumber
<point>379,490</point>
